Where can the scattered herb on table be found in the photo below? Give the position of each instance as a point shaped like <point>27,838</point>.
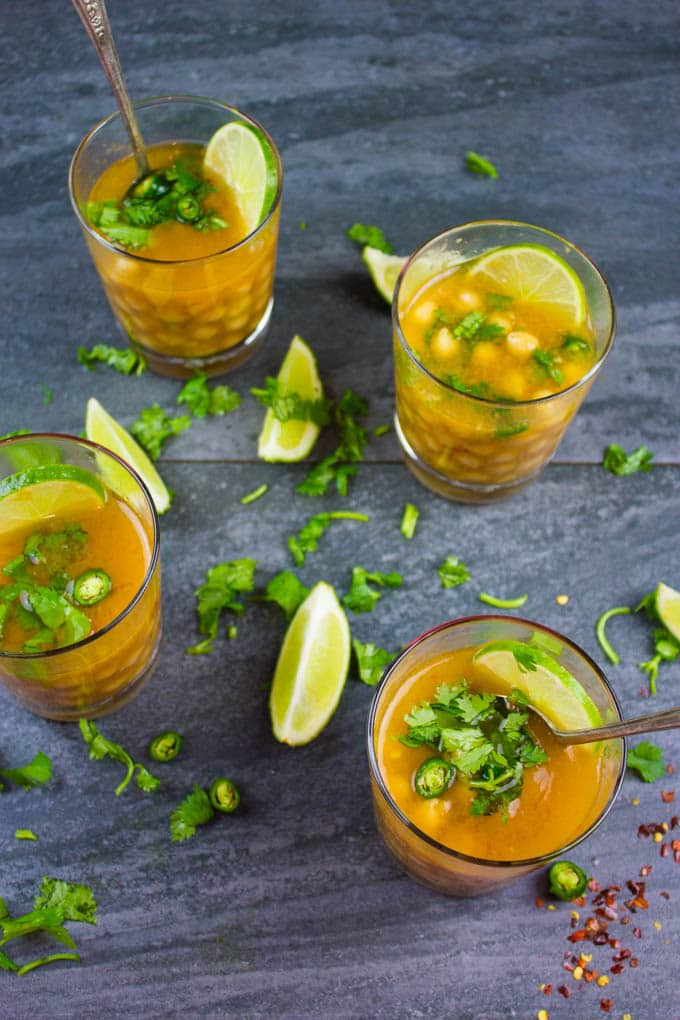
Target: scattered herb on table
<point>493,600</point>
<point>154,426</point>
<point>340,466</point>
<point>371,661</point>
<point>602,637</point>
<point>57,903</point>
<point>250,497</point>
<point>361,597</point>
<point>165,746</point>
<point>308,539</point>
<point>287,591</point>
<point>409,520</point>
<point>26,834</point>
<point>485,739</point>
<point>666,649</point>
<point>647,760</point>
<point>220,590</point>
<point>194,810</point>
<point>27,776</point>
<point>291,406</point>
<point>621,463</point>
<point>48,395</point>
<point>123,360</point>
<point>381,430</point>
<point>100,747</point>
<point>477,164</point>
<point>453,572</point>
<point>371,236</point>
<point>202,400</point>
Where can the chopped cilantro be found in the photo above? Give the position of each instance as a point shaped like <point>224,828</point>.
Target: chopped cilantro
<point>647,760</point>
<point>27,776</point>
<point>620,463</point>
<point>409,520</point>
<point>308,539</point>
<point>194,810</point>
<point>287,591</point>
<point>361,598</point>
<point>381,430</point>
<point>477,164</point>
<point>201,400</point>
<point>371,661</point>
<point>371,236</point>
<point>545,360</point>
<point>48,395</point>
<point>100,747</point>
<point>223,583</point>
<point>573,344</point>
<point>26,834</point>
<point>126,361</point>
<point>250,497</point>
<point>291,406</point>
<point>154,426</point>
<point>453,572</point>
<point>666,648</point>
<point>340,466</point>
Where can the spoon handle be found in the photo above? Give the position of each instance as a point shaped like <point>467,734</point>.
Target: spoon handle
<point>96,21</point>
<point>666,720</point>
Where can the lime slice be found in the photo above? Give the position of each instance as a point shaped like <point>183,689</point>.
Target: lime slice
<point>312,667</point>
<point>240,156</point>
<point>550,688</point>
<point>384,270</point>
<point>667,603</point>
<point>292,440</point>
<point>30,497</point>
<point>101,428</point>
<point>530,272</point>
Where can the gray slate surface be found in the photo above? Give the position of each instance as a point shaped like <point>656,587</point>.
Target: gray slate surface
<point>293,908</point>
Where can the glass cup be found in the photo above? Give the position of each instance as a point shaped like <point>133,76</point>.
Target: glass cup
<point>422,857</point>
<point>469,448</point>
<point>99,673</point>
<point>201,314</point>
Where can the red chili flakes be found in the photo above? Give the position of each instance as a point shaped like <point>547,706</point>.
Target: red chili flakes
<point>577,936</point>
<point>547,989</point>
<point>606,1005</point>
<point>646,870</point>
<point>666,895</point>
<point>637,932</point>
<point>538,903</point>
<point>665,850</point>
<point>634,962</point>
<point>580,901</point>
<point>594,885</point>
<point>625,920</point>
<point>670,768</point>
<point>676,856</point>
<point>675,821</point>
<point>622,955</point>
<point>617,968</point>
<point>675,844</point>
<point>564,991</point>
<point>668,796</point>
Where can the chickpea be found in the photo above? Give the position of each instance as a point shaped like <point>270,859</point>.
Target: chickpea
<point>521,344</point>
<point>468,301</point>
<point>484,353</point>
<point>423,313</point>
<point>513,385</point>
<point>502,319</point>
<point>444,346</point>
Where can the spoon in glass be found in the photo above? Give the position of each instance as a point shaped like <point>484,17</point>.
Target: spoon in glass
<point>96,21</point>
<point>666,720</point>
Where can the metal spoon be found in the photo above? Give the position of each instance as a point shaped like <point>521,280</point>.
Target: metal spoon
<point>667,720</point>
<point>96,21</point>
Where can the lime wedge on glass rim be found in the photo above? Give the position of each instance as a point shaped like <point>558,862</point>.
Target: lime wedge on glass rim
<point>30,497</point>
<point>384,270</point>
<point>241,156</point>
<point>312,668</point>
<point>667,605</point>
<point>102,428</point>
<point>531,272</point>
<point>292,440</point>
<point>550,688</point>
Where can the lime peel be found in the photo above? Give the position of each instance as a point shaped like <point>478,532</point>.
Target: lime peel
<point>240,155</point>
<point>667,605</point>
<point>51,473</point>
<point>384,270</point>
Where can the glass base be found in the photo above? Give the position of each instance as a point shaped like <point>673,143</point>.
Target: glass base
<point>212,364</point>
<point>451,488</point>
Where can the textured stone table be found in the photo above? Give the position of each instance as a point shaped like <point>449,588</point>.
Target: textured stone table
<point>293,908</point>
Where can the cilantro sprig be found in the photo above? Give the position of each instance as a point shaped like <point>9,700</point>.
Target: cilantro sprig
<point>308,538</point>
<point>340,466</point>
<point>647,760</point>
<point>291,406</point>
<point>621,464</point>
<point>123,360</point>
<point>371,661</point>
<point>453,572</point>
<point>362,595</point>
<point>220,591</point>
<point>194,810</point>
<point>100,747</point>
<point>154,426</point>
<point>202,400</point>
<point>287,591</point>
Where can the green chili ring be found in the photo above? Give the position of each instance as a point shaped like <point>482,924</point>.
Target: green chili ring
<point>91,587</point>
<point>434,776</point>
<point>567,880</point>
<point>165,746</point>
<point>223,795</point>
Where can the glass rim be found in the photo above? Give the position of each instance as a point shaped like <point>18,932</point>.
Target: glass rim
<point>155,552</point>
<point>486,401</point>
<point>448,851</point>
<point>168,100</point>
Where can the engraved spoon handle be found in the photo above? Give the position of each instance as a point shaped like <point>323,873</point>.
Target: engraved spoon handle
<point>666,720</point>
<point>96,21</point>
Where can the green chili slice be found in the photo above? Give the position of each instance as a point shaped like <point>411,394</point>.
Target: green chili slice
<point>152,186</point>
<point>165,746</point>
<point>223,795</point>
<point>602,637</point>
<point>188,209</point>
<point>433,777</point>
<point>567,880</point>
<point>91,587</point>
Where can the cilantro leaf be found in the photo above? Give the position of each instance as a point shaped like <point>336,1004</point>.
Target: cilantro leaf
<point>75,902</point>
<point>371,661</point>
<point>287,591</point>
<point>36,772</point>
<point>308,539</point>
<point>352,438</point>
<point>453,572</point>
<point>545,360</point>
<point>477,164</point>
<point>126,361</point>
<point>621,463</point>
<point>194,810</point>
<point>201,400</point>
<point>100,747</point>
<point>647,760</point>
<point>291,406</point>
<point>223,583</point>
<point>361,598</point>
<point>371,236</point>
<point>317,481</point>
<point>154,426</point>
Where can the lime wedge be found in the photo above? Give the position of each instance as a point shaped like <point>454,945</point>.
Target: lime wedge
<point>384,270</point>
<point>312,667</point>
<point>550,688</point>
<point>101,428</point>
<point>240,156</point>
<point>292,440</point>
<point>530,272</point>
<point>667,603</point>
<point>30,497</point>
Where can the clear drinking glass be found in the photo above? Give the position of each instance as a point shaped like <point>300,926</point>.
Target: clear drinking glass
<point>199,314</point>
<point>466,447</point>
<point>424,858</point>
<point>72,482</point>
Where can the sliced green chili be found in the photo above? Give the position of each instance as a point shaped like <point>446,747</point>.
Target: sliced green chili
<point>224,796</point>
<point>491,600</point>
<point>602,637</point>
<point>91,587</point>
<point>165,746</point>
<point>188,209</point>
<point>567,880</point>
<point>152,186</point>
<point>433,777</point>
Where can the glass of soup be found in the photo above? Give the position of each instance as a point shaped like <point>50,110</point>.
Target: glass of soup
<point>80,590</point>
<point>186,256</point>
<point>470,788</point>
<point>499,330</point>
